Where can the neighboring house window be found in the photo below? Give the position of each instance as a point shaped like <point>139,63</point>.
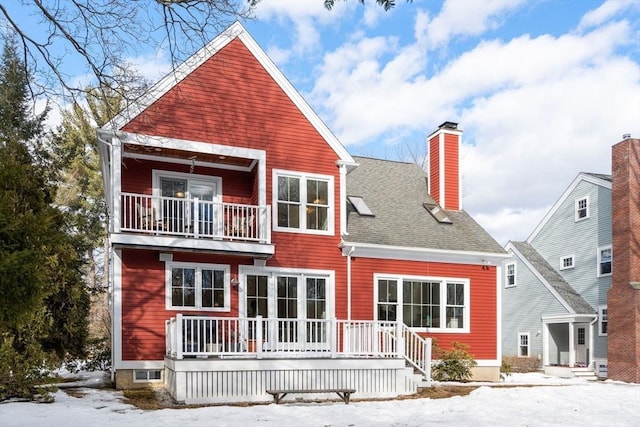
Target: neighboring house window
<point>192,286</point>
<point>303,202</point>
<point>582,208</point>
<point>511,275</point>
<point>425,303</point>
<point>566,262</point>
<point>603,320</point>
<point>523,344</point>
<point>604,260</point>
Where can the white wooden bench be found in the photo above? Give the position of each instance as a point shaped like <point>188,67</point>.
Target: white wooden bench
<point>344,393</point>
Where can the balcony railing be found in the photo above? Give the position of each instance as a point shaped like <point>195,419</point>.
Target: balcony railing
<point>194,218</point>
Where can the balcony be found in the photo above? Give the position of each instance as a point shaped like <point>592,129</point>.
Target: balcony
<point>171,221</point>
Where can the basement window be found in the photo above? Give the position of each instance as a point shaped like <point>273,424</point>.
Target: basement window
<point>147,375</point>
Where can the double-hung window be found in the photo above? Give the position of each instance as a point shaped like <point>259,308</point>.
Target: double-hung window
<point>603,320</point>
<point>523,344</point>
<point>510,275</point>
<point>582,209</point>
<point>304,202</point>
<point>604,260</point>
<point>192,286</point>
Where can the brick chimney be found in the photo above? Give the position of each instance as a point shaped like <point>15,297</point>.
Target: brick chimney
<point>623,299</point>
<point>444,166</point>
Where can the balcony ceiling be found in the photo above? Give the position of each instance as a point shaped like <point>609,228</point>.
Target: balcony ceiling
<point>135,149</point>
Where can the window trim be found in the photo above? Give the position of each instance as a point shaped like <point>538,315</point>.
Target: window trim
<point>603,318</point>
<point>303,177</point>
<point>158,174</point>
<point>506,275</point>
<point>520,336</point>
<point>170,265</point>
<point>577,209</point>
<point>566,257</point>
<point>466,311</point>
<point>599,261</point>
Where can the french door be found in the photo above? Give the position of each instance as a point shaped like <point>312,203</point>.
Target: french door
<point>295,306</point>
<point>178,210</point>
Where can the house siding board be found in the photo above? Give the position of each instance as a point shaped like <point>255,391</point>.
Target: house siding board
<point>518,317</point>
<point>482,337</point>
<point>562,236</point>
<point>434,168</point>
<point>144,300</point>
<point>451,172</point>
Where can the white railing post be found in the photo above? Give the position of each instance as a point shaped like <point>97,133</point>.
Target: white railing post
<point>332,336</point>
<point>375,339</point>
<point>196,217</point>
<point>427,358</point>
<point>178,336</point>
<point>399,340</point>
<point>258,337</point>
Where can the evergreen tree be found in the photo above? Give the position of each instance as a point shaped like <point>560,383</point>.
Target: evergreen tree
<point>43,301</point>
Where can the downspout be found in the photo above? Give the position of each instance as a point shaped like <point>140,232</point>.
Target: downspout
<point>349,282</point>
<point>591,342</point>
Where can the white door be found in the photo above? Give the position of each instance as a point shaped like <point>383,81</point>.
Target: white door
<point>581,344</point>
<point>209,220</point>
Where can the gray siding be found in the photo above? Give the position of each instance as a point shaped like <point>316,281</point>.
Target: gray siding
<point>563,236</point>
<point>518,317</point>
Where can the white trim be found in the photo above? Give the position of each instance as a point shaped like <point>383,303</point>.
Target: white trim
<point>141,364</point>
<point>511,247</point>
<point>442,171</point>
<point>116,334</point>
<point>408,253</point>
<point>515,276</point>
<point>520,335</point>
<point>581,177</point>
<point>236,30</point>
<point>498,309</point>
<point>577,208</point>
<point>303,177</point>
<point>399,278</point>
<point>572,257</point>
<point>599,260</point>
<point>198,267</point>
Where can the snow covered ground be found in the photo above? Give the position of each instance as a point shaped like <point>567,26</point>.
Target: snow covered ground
<point>547,402</point>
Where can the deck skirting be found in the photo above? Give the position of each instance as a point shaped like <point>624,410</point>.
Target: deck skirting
<point>198,381</point>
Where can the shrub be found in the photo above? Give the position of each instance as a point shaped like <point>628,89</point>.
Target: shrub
<point>453,364</point>
<point>522,364</point>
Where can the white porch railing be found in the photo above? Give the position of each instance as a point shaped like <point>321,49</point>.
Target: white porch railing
<point>194,218</point>
<point>202,336</point>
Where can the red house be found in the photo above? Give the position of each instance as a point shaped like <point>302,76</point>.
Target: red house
<point>250,252</point>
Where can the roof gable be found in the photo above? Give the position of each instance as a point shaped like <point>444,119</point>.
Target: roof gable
<point>550,278</point>
<point>595,179</point>
<point>221,80</point>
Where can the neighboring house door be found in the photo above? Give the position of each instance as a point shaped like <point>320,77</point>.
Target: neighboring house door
<point>581,343</point>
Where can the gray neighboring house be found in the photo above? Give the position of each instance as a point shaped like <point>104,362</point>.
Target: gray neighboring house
<point>555,285</point>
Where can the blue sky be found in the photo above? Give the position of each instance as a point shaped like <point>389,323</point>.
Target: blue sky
<point>542,89</point>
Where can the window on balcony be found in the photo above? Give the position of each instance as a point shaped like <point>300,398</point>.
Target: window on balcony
<point>192,286</point>
<point>303,203</point>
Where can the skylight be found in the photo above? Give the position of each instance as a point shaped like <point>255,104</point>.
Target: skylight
<point>360,206</point>
<point>438,213</point>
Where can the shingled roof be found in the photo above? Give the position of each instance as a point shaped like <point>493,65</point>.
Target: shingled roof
<point>573,299</point>
<point>396,193</point>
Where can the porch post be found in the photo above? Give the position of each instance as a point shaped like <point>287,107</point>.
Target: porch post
<point>178,336</point>
<point>399,339</point>
<point>332,336</point>
<point>572,347</point>
<point>545,344</point>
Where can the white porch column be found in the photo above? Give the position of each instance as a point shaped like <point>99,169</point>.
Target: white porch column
<point>545,344</point>
<point>572,345</point>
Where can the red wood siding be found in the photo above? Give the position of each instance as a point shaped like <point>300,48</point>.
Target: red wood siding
<point>434,167</point>
<point>451,172</point>
<point>483,325</point>
<point>143,300</point>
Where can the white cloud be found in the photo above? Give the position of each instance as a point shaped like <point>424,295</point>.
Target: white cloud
<point>606,11</point>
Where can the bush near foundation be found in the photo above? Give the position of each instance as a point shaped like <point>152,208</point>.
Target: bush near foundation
<point>522,364</point>
<point>452,364</point>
